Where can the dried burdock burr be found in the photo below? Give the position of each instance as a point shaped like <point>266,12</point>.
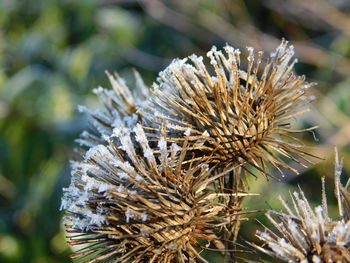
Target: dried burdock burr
<point>120,109</point>
<point>128,202</point>
<point>236,116</point>
<point>307,235</point>
<point>160,173</point>
<point>233,117</point>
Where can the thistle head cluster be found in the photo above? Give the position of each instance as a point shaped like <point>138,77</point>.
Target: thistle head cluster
<point>135,203</point>
<point>309,235</point>
<point>235,116</point>
<point>152,184</point>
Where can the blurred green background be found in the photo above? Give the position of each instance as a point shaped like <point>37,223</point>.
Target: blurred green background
<point>54,52</point>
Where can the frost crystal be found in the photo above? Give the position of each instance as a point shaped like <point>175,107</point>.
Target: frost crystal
<point>188,132</point>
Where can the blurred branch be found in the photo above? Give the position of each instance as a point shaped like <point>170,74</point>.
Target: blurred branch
<point>296,14</point>
<point>144,60</point>
<point>312,14</point>
<point>7,188</point>
<point>327,13</point>
<point>169,17</point>
<point>342,137</point>
<point>251,36</point>
<point>116,2</point>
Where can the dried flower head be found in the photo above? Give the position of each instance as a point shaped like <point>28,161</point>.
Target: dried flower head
<point>120,109</point>
<point>306,235</point>
<point>130,205</point>
<point>235,116</point>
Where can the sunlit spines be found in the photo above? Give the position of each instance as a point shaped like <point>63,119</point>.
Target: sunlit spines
<point>303,234</point>
<point>242,117</point>
<point>138,205</point>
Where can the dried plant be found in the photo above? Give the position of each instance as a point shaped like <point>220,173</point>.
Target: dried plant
<point>304,235</point>
<point>120,110</point>
<point>234,116</point>
<point>124,205</point>
<point>159,179</point>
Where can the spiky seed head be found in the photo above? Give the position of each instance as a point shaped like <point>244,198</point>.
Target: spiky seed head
<point>235,116</point>
<point>120,109</point>
<point>307,235</point>
<point>129,206</point>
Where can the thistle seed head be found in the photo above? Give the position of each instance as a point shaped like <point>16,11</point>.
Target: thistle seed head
<point>233,116</point>
<point>307,235</point>
<point>128,202</point>
<point>120,110</point>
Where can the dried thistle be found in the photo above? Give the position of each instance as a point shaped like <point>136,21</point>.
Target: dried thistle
<point>120,109</point>
<point>234,116</point>
<point>127,205</point>
<point>304,235</point>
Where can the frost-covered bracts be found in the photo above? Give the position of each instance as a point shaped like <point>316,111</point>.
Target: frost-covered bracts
<point>306,235</point>
<point>120,109</point>
<point>125,206</point>
<point>236,116</point>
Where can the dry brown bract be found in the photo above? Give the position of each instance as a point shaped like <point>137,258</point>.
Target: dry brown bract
<point>305,235</point>
<point>130,206</point>
<point>235,116</point>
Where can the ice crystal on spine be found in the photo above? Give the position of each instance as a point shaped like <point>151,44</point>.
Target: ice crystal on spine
<point>245,113</point>
<point>157,212</point>
<point>307,235</point>
<point>120,110</point>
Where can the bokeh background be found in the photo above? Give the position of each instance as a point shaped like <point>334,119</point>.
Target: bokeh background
<point>54,52</point>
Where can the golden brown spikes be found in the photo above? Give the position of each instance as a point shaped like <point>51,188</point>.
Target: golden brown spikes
<point>239,117</point>
<point>128,205</point>
<point>162,178</point>
<point>307,235</point>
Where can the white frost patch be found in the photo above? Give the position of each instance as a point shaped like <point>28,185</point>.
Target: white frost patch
<point>82,108</point>
<point>96,219</point>
<point>187,132</point>
<point>250,57</point>
<point>98,90</point>
<point>138,178</point>
<point>144,216</point>
<point>123,175</point>
<point>97,150</point>
<point>90,183</point>
<point>132,192</point>
<point>175,148</point>
<point>104,187</point>
<point>162,144</point>
<point>148,153</point>
<point>130,120</point>
<point>129,214</point>
<point>120,188</point>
